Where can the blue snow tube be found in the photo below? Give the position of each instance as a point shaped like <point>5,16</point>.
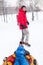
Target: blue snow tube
<point>20,57</point>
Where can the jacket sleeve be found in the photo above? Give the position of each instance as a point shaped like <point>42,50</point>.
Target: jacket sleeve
<point>21,19</point>
<point>26,18</point>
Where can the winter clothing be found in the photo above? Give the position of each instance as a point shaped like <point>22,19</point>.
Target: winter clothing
<point>20,57</point>
<point>25,35</point>
<point>23,24</point>
<point>21,19</point>
<point>27,22</point>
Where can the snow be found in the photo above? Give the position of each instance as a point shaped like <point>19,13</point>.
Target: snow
<point>10,36</point>
<point>10,3</point>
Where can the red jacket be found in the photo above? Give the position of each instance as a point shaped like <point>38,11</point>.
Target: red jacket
<point>22,19</point>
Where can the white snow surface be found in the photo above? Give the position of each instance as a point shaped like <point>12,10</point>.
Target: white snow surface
<point>10,36</point>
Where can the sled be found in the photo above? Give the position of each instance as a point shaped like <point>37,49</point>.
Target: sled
<point>11,59</point>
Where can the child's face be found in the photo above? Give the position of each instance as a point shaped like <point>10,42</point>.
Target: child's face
<point>24,9</point>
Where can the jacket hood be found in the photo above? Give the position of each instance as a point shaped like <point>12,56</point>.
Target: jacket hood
<point>21,10</point>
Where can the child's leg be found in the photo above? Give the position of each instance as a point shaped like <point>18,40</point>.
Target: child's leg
<point>23,36</point>
<point>27,36</point>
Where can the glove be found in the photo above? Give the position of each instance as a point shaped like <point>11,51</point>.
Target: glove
<point>27,22</point>
<point>23,26</point>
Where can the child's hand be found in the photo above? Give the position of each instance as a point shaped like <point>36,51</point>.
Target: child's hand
<point>27,22</point>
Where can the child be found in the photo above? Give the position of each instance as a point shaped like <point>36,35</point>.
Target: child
<point>23,24</point>
<point>20,56</point>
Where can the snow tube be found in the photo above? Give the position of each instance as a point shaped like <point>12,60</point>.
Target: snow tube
<point>11,59</point>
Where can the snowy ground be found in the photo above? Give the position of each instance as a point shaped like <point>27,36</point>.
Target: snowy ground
<point>10,36</point>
